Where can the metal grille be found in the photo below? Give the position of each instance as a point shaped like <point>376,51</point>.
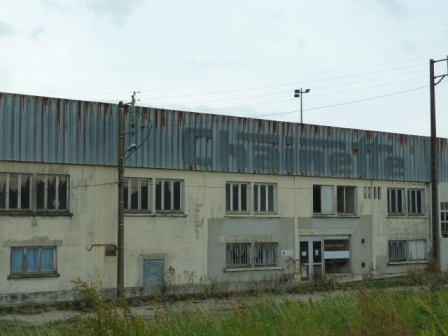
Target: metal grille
<point>265,254</point>
<point>397,250</point>
<point>237,255</point>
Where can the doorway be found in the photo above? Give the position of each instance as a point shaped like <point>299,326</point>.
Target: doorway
<point>324,255</point>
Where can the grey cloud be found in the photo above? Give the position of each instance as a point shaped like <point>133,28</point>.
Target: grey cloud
<point>394,6</point>
<point>37,32</point>
<point>5,29</point>
<point>117,10</point>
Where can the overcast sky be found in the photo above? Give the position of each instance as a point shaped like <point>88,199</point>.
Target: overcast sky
<point>241,58</point>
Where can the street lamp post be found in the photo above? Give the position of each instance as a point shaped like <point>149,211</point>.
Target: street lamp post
<point>299,93</point>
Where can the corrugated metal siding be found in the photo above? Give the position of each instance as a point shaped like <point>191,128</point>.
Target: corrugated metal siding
<point>39,129</point>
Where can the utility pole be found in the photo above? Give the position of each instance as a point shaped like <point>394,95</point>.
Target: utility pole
<point>120,244</point>
<point>299,93</point>
<point>434,163</point>
<point>121,159</point>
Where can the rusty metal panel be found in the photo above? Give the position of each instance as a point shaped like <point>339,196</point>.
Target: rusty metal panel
<point>39,129</point>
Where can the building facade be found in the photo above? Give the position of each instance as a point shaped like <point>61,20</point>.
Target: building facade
<point>215,198</point>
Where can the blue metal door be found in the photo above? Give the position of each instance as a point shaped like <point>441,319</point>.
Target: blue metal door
<point>153,275</point>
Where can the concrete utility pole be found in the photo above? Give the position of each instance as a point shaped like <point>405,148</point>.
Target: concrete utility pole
<point>434,163</point>
<point>120,244</point>
<point>121,159</point>
<point>299,93</point>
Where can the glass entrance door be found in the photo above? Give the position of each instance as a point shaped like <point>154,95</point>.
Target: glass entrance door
<point>311,258</point>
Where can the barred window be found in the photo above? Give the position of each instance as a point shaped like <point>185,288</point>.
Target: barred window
<point>404,250</point>
<point>237,255</point>
<point>265,254</point>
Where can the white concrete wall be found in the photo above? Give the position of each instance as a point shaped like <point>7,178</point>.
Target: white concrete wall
<point>181,239</point>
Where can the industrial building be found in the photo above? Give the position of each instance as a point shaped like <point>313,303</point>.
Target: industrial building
<point>207,198</point>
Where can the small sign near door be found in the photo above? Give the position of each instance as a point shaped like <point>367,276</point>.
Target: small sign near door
<point>287,253</point>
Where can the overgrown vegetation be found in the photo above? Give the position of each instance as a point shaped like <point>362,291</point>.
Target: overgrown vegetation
<point>364,308</point>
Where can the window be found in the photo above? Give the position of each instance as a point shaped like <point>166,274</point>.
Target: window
<point>137,195</point>
<point>236,197</point>
<point>415,202</point>
<point>169,195</point>
<point>237,255</point>
<point>395,201</point>
<point>403,250</point>
<point>265,254</point>
<point>346,200</point>
<point>444,219</point>
<point>264,198</point>
<point>33,260</point>
<point>15,191</point>
<point>337,256</point>
<point>52,192</point>
<point>323,200</point>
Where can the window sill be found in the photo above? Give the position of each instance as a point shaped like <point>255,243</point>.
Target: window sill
<point>250,269</point>
<point>408,216</point>
<point>27,213</point>
<point>407,262</point>
<point>257,215</point>
<point>33,275</point>
<point>335,216</point>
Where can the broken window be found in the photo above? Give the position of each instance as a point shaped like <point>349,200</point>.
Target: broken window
<point>237,255</point>
<point>397,250</point>
<point>265,254</point>
<point>323,200</point>
<point>169,195</point>
<point>137,194</point>
<point>236,197</point>
<point>264,198</point>
<point>415,202</point>
<point>52,192</point>
<point>15,191</point>
<point>395,201</point>
<point>346,200</point>
<point>337,256</point>
<point>33,259</point>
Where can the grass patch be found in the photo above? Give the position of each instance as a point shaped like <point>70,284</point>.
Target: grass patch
<point>357,312</point>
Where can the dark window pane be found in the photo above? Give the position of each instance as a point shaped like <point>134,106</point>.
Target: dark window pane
<point>228,208</point>
<point>144,195</point>
<point>256,197</point>
<point>13,191</point>
<point>176,195</point>
<point>271,198</point>
<point>25,192</point>
<point>340,199</point>
<point>235,197</point>
<point>350,200</point>
<point>263,198</point>
<point>63,184</point>
<point>316,200</point>
<point>399,202</point>
<point>159,195</point>
<point>2,191</point>
<point>40,192</point>
<point>419,202</point>
<point>51,192</point>
<point>167,195</point>
<point>126,194</point>
<point>244,197</point>
<point>134,194</point>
